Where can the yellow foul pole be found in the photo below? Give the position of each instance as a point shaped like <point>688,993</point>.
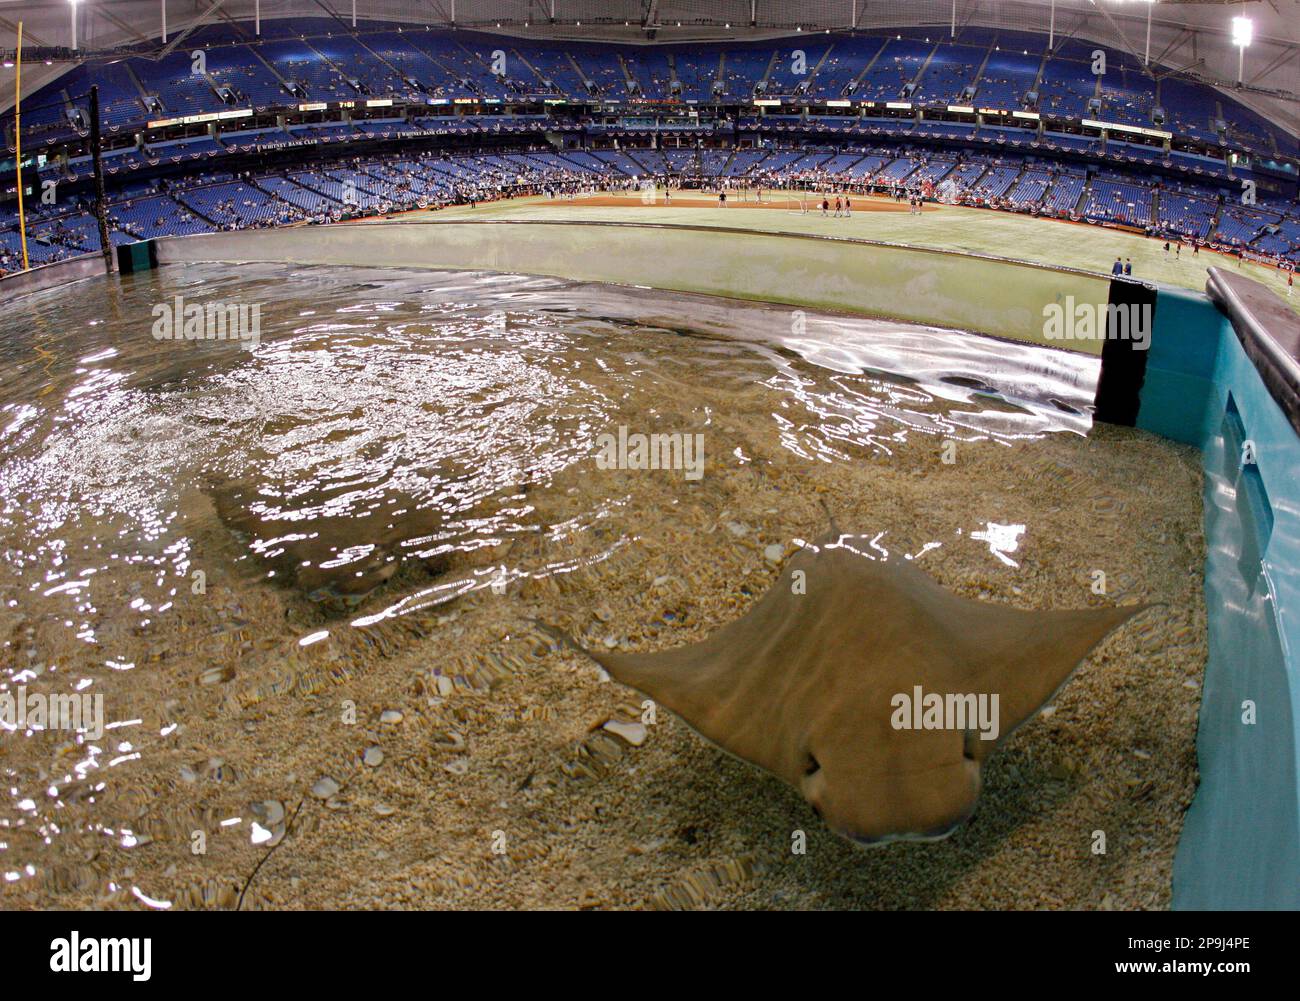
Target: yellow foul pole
<point>18,140</point>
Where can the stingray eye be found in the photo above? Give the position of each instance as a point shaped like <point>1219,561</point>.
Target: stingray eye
<point>812,767</point>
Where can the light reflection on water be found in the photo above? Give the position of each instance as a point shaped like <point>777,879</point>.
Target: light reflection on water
<point>389,428</point>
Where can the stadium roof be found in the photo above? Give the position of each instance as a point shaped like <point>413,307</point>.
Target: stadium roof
<point>1192,36</point>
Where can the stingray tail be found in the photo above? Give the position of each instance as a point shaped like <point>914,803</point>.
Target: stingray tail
<point>560,636</point>
<point>830,515</point>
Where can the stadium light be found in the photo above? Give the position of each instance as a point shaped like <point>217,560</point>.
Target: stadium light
<point>1243,31</point>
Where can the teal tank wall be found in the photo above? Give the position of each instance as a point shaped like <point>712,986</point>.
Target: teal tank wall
<point>1240,845</point>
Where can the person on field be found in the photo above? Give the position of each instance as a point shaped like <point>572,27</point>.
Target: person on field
<point>1128,265</point>
<point>1117,268</point>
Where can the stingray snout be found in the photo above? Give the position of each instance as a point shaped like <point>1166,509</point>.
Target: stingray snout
<point>858,806</point>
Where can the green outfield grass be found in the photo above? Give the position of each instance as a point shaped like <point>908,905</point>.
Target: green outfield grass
<point>980,231</point>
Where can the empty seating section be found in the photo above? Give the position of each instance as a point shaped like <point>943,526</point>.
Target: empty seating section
<point>696,72</point>
<point>1118,201</point>
<point>1008,76</point>
<point>367,73</point>
<point>995,183</point>
<point>599,65</point>
<point>310,201</point>
<point>252,83</point>
<point>304,67</point>
<point>793,69</point>
<point>712,162</point>
<point>1064,193</point>
<point>897,170</point>
<point>932,170</point>
<point>156,215</point>
<point>745,161</point>
<point>119,99</point>
<point>966,174</point>
<point>951,71</point>
<point>1128,96</point>
<point>651,73</point>
<point>173,80</point>
<point>1189,109</point>
<point>837,164</point>
<point>895,67</point>
<point>1029,189</point>
<point>232,205</point>
<point>1066,88</point>
<point>1240,225</point>
<point>1188,216</point>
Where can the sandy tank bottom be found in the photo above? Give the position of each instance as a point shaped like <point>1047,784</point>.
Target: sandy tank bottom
<point>451,755</point>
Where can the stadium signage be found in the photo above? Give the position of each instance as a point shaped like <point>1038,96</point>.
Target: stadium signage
<point>962,109</point>
<point>899,105</point>
<point>992,111</point>
<point>1033,116</point>
<point>211,116</point>
<point>1092,123</point>
<point>387,102</point>
<point>314,106</point>
<point>767,102</point>
<point>839,104</point>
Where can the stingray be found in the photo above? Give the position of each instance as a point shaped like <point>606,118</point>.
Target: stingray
<point>335,559</point>
<point>807,685</point>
